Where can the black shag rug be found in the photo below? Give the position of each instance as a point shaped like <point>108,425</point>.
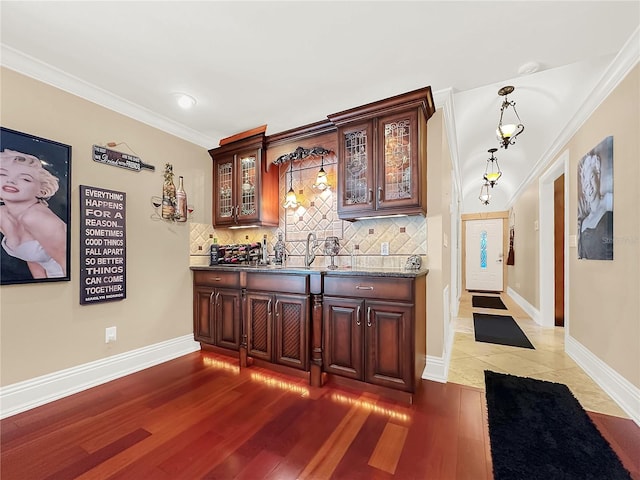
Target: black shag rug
<point>500,329</point>
<point>538,430</point>
<point>488,302</point>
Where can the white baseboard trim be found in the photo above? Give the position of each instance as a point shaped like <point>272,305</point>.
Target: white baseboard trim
<point>437,368</point>
<point>32,393</point>
<point>533,312</point>
<point>624,393</point>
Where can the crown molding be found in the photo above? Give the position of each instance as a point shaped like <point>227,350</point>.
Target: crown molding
<point>617,70</point>
<point>26,65</point>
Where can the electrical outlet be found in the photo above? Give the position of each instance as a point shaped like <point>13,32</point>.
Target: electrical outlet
<point>110,334</point>
<point>384,248</point>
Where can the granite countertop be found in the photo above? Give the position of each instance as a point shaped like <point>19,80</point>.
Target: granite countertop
<point>361,271</point>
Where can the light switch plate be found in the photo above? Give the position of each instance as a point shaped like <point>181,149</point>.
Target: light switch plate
<point>384,248</point>
<point>573,241</point>
<point>110,334</point>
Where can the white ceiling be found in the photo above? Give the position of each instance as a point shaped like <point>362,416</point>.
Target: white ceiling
<point>287,64</point>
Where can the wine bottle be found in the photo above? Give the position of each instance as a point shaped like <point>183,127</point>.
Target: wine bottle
<point>168,194</point>
<point>181,201</point>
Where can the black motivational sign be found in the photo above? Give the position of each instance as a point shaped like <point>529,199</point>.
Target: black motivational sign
<point>103,247</point>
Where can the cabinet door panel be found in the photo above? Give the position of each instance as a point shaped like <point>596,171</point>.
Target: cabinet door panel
<point>388,341</point>
<point>248,171</point>
<point>342,342</point>
<point>224,181</point>
<point>292,331</point>
<point>259,325</point>
<point>355,163</point>
<point>398,170</point>
<point>202,317</point>
<point>227,318</point>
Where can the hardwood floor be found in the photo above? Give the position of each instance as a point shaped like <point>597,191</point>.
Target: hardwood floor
<point>200,416</point>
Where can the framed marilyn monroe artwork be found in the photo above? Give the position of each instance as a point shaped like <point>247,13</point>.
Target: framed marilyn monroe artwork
<point>35,209</point>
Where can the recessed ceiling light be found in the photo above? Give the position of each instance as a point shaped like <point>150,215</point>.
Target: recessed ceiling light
<point>185,101</point>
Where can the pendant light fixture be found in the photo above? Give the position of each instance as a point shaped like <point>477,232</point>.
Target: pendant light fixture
<point>322,183</point>
<point>508,131</point>
<point>492,176</point>
<point>291,200</point>
<point>485,196</point>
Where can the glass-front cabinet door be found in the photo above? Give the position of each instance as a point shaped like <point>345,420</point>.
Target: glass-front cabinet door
<point>224,190</point>
<point>397,179</point>
<point>236,178</point>
<point>356,180</point>
<point>247,195</point>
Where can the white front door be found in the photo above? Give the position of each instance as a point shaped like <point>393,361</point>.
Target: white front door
<point>484,255</point>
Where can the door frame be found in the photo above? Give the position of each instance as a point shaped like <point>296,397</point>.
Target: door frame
<point>545,239</point>
<point>504,215</point>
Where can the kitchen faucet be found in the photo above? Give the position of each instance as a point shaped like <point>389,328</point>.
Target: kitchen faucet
<point>309,255</point>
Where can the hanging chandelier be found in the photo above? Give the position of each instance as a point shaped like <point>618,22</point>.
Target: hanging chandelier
<point>507,131</point>
<point>484,196</point>
<point>492,176</point>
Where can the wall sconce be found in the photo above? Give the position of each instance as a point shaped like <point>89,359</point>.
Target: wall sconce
<point>290,200</point>
<point>485,196</point>
<point>492,176</point>
<point>507,132</point>
<point>322,182</point>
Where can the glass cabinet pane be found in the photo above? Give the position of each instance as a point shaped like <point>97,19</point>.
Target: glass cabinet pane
<point>356,153</point>
<point>397,160</point>
<point>248,185</point>
<point>225,189</point>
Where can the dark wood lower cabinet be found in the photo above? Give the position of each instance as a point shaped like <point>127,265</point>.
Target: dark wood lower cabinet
<point>216,315</point>
<point>278,328</point>
<point>369,341</point>
<point>369,329</point>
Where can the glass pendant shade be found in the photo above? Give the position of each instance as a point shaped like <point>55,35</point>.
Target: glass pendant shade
<point>484,196</point>
<point>291,201</point>
<point>321,180</point>
<point>322,183</point>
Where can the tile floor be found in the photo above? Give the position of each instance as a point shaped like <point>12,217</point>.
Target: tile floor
<point>469,359</point>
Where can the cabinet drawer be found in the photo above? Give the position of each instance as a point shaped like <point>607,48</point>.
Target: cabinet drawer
<point>217,278</point>
<point>382,288</point>
<point>281,283</point>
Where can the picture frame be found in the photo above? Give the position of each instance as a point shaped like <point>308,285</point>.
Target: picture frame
<point>35,209</point>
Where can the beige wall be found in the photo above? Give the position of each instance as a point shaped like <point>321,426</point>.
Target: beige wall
<point>438,223</point>
<point>523,276</point>
<point>43,327</point>
<point>603,295</point>
<point>604,305</point>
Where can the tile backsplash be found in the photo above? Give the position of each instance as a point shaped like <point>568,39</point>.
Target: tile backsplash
<point>360,241</point>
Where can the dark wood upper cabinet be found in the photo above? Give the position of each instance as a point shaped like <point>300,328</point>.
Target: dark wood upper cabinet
<point>245,190</point>
<point>382,156</point>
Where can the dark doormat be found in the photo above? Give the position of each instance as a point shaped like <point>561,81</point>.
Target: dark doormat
<point>538,430</point>
<point>500,329</point>
<point>488,302</point>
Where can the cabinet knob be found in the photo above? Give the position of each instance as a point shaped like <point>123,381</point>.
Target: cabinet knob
<point>269,307</point>
<point>379,194</point>
<point>368,316</point>
<point>358,316</point>
<point>277,303</point>
<point>370,196</point>
<point>364,287</point>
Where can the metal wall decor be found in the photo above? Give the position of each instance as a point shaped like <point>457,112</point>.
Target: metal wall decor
<point>301,153</point>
